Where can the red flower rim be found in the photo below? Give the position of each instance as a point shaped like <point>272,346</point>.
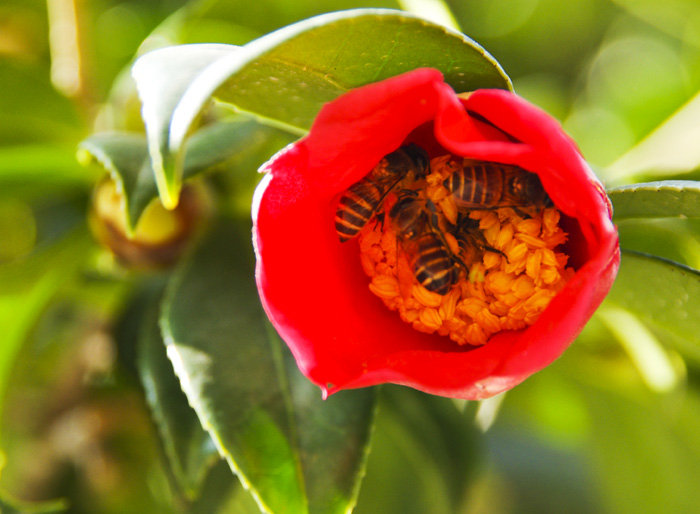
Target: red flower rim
<point>313,287</point>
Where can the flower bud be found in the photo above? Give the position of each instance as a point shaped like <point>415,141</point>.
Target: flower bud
<point>160,236</point>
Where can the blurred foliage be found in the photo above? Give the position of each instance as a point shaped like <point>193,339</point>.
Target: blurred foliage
<point>598,431</point>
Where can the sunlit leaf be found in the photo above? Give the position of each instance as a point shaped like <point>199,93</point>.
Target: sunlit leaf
<point>296,452</point>
<point>671,149</point>
<point>188,448</point>
<point>161,84</point>
<point>664,294</point>
<point>125,157</point>
<point>437,11</point>
<point>644,349</point>
<point>286,76</point>
<point>670,198</point>
<point>670,17</point>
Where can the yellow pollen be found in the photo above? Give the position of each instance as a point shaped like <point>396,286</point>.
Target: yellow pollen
<point>449,209</point>
<point>430,318</point>
<point>384,286</point>
<point>425,297</point>
<point>506,271</point>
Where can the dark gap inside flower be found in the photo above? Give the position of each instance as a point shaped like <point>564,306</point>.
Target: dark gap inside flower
<point>575,246</point>
<point>459,248</point>
<point>479,117</point>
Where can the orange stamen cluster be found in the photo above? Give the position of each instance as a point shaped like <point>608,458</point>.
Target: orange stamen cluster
<point>500,291</point>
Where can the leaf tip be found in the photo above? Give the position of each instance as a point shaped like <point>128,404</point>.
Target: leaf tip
<point>168,191</point>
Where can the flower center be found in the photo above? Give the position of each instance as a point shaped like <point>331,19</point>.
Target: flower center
<point>464,249</point>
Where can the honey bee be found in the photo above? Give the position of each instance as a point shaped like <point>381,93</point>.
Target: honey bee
<point>489,185</point>
<point>359,203</point>
<point>470,236</point>
<point>417,227</point>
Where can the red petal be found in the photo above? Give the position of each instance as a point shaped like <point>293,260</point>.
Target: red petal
<point>370,121</point>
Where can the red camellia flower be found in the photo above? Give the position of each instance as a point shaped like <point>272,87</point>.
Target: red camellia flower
<point>314,289</point>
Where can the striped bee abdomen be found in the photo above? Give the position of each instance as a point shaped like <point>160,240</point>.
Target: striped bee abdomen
<point>364,199</point>
<point>480,184</point>
<point>434,267</point>
<point>487,185</point>
<point>357,206</point>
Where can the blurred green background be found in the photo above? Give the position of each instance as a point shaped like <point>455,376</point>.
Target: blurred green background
<point>609,427</point>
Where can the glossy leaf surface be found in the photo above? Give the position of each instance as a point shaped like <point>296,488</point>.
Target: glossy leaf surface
<point>161,83</point>
<point>663,294</point>
<point>294,71</point>
<point>670,198</point>
<point>188,448</point>
<point>286,76</point>
<point>296,452</point>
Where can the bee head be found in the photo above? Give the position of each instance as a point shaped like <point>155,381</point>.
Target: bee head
<point>407,214</point>
<point>527,187</point>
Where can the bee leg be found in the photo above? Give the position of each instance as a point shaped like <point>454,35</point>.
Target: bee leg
<point>460,262</point>
<point>470,232</point>
<point>380,219</point>
<point>495,250</point>
<point>397,250</point>
<point>520,213</point>
<point>434,220</point>
<point>485,247</point>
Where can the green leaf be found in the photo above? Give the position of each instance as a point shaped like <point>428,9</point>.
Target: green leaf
<point>670,198</point>
<point>161,84</point>
<point>219,491</point>
<point>436,11</point>
<point>671,238</point>
<point>286,76</point>
<point>31,109</point>
<point>125,157</point>
<point>595,441</point>
<point>426,452</point>
<point>663,294</point>
<point>10,506</point>
<point>669,150</point>
<point>188,448</point>
<point>295,452</point>
<point>36,169</point>
<point>26,288</point>
<point>645,453</point>
<point>643,348</point>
